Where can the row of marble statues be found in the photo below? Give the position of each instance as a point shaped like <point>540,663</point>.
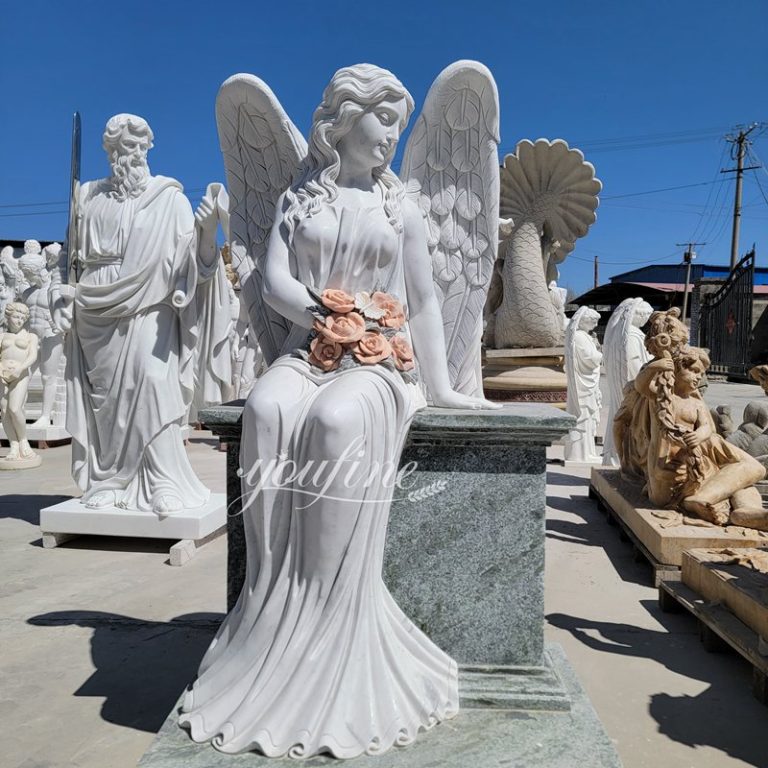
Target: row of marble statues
<point>30,281</point>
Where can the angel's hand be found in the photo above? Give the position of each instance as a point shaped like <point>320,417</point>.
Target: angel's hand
<point>453,399</point>
<point>662,364</point>
<point>205,215</point>
<point>692,439</point>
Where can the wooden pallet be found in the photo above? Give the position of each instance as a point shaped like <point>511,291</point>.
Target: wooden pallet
<point>660,570</point>
<point>719,629</point>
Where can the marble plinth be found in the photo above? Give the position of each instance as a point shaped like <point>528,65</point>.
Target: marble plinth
<point>191,527</point>
<point>49,434</point>
<point>465,545</point>
<point>477,737</point>
<point>525,375</point>
<point>666,534</point>
<point>28,462</point>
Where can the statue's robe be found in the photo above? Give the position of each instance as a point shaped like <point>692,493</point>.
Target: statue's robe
<point>145,313</point>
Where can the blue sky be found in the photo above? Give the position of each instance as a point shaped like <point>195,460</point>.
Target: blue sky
<point>645,89</point>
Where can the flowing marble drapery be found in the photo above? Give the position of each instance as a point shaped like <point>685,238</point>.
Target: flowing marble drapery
<point>139,308</point>
<point>315,630</point>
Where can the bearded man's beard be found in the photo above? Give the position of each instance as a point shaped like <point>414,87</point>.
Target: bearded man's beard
<point>130,175</point>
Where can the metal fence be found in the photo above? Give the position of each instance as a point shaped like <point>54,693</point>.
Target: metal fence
<point>725,320</point>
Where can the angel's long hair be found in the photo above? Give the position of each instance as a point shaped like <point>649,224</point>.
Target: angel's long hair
<point>350,93</point>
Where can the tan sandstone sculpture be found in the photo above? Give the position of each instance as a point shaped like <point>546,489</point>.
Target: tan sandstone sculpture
<point>665,436</point>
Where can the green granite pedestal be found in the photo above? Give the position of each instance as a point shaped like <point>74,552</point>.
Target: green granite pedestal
<point>465,560</point>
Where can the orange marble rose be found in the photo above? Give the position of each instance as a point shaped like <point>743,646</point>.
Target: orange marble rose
<point>394,312</point>
<point>337,301</point>
<point>372,348</point>
<point>341,329</point>
<point>402,353</point>
<point>325,354</point>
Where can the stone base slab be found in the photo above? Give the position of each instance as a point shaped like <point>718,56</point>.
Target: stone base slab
<point>28,462</point>
<point>509,687</point>
<point>663,532</point>
<point>742,589</point>
<point>476,738</point>
<point>49,434</point>
<point>73,517</point>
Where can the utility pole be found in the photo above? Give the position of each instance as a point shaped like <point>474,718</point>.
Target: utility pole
<point>688,258</point>
<point>597,272</point>
<point>740,143</point>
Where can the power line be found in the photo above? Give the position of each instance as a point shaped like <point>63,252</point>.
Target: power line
<point>642,141</point>
<point>188,191</point>
<point>627,263</point>
<point>663,189</point>
<point>31,213</point>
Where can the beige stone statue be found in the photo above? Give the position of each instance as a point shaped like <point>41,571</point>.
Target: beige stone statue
<point>18,352</point>
<point>665,435</point>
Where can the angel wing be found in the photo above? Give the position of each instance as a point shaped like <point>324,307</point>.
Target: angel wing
<point>451,170</point>
<point>262,151</point>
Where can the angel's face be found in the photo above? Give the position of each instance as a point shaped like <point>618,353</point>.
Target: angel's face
<point>371,141</point>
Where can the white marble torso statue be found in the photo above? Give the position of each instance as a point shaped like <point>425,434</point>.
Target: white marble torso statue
<point>7,295</point>
<point>34,267</point>
<point>316,656</point>
<point>18,352</point>
<point>582,369</point>
<point>142,301</point>
<point>14,280</point>
<point>559,297</point>
<point>625,354</point>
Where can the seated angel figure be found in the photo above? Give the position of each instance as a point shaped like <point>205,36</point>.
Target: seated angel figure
<point>316,656</point>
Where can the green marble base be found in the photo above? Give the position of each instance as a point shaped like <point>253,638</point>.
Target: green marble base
<point>480,738</point>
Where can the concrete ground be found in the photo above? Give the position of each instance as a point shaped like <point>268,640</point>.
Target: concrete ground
<point>99,637</point>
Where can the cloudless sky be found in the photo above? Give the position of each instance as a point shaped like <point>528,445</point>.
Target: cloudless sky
<point>647,89</point>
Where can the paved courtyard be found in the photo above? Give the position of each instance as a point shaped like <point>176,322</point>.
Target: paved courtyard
<point>100,636</point>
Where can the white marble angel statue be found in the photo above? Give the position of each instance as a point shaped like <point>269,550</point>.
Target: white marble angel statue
<point>624,355</point>
<point>582,369</point>
<point>141,316</point>
<point>316,656</point>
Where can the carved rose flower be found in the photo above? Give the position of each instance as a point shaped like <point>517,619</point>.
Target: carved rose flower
<point>342,329</point>
<point>325,354</point>
<point>402,353</point>
<point>372,348</point>
<point>337,301</point>
<point>394,312</point>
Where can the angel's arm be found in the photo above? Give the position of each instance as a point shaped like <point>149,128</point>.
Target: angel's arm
<point>282,291</point>
<point>426,320</point>
<point>31,354</point>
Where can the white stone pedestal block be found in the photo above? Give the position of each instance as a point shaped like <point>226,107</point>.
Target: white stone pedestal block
<point>47,434</point>
<point>191,528</point>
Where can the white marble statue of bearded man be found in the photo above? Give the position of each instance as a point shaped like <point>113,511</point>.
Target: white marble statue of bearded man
<point>149,280</point>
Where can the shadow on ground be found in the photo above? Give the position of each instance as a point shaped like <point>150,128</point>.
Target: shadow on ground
<point>24,507</point>
<point>141,666</point>
<point>562,478</point>
<point>595,530</point>
<point>724,716</point>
